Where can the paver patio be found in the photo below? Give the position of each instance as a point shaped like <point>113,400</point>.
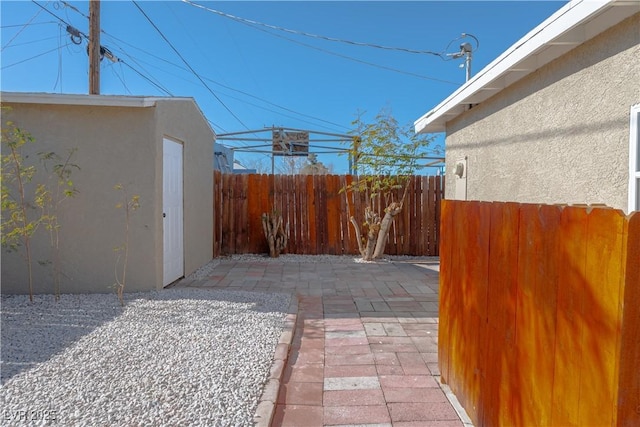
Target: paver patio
<point>365,343</point>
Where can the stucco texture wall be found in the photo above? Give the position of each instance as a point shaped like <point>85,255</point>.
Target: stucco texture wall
<point>115,145</point>
<point>560,135</point>
<point>185,124</point>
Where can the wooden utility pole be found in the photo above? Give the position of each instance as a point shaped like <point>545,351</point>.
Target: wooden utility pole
<point>94,47</point>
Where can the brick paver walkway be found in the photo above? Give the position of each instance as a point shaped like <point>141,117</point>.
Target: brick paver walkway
<point>364,350</point>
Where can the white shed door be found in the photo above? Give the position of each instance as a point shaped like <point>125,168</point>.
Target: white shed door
<point>172,208</point>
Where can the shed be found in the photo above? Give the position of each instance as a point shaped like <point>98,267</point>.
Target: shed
<point>553,119</point>
<point>160,149</point>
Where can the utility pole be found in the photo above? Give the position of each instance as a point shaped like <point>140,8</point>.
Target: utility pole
<point>94,47</point>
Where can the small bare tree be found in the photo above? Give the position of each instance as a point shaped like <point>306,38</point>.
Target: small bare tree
<point>386,155</point>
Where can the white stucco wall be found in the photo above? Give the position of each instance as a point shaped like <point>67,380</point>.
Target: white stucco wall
<point>560,135</point>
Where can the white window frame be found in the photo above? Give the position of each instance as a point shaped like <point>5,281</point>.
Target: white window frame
<point>634,160</point>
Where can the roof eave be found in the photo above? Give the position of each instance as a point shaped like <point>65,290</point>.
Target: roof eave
<point>571,25</point>
<point>80,99</point>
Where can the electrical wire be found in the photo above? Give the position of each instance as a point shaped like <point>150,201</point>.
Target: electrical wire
<point>59,75</point>
<point>311,35</point>
<point>226,86</point>
<point>32,24</point>
<point>81,35</point>
<point>20,30</point>
<point>33,57</point>
<point>58,18</point>
<point>189,66</point>
<point>115,73</point>
<point>235,90</point>
<point>383,67</point>
<point>32,41</point>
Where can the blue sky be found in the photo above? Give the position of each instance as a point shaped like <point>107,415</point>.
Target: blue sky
<point>256,76</point>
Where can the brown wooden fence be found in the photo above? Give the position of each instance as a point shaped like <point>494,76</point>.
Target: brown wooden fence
<point>318,214</point>
<point>540,314</point>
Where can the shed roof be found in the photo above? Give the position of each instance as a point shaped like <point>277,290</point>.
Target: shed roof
<point>80,99</point>
<point>95,100</point>
<point>572,25</point>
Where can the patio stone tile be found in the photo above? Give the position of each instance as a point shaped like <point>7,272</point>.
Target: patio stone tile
<point>414,395</point>
<point>386,359</point>
<point>349,359</point>
<point>346,341</point>
<point>350,371</point>
<point>308,373</point>
<point>420,412</point>
<point>348,349</point>
<point>351,383</point>
<point>364,305</point>
<point>407,381</point>
<point>356,325</point>
<point>434,368</point>
<point>398,348</point>
<point>380,306</point>
<point>374,329</point>
<point>356,415</point>
<point>345,334</point>
<point>377,317</point>
<point>394,330</point>
<point>389,369</point>
<point>364,349</point>
<point>437,423</point>
<point>301,393</point>
<point>309,357</point>
<point>341,315</point>
<point>427,344</point>
<point>363,425</point>
<point>298,416</point>
<point>353,397</point>
<point>407,320</point>
<point>413,364</point>
<point>430,357</point>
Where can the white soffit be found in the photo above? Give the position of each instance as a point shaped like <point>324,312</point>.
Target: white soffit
<point>573,24</point>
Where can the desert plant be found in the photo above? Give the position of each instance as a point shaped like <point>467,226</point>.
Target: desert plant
<point>129,205</point>
<point>386,156</point>
<point>16,225</point>
<point>50,202</point>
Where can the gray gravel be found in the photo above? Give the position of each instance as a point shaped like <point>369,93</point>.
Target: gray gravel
<point>175,357</point>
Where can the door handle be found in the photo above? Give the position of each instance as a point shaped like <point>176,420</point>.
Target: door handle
<point>164,215</point>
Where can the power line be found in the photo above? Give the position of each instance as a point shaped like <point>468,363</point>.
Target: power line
<point>187,64</point>
<point>235,90</point>
<point>33,57</point>
<point>383,67</point>
<point>32,41</point>
<point>316,36</point>
<point>20,30</point>
<point>58,18</point>
<point>232,89</point>
<point>256,25</point>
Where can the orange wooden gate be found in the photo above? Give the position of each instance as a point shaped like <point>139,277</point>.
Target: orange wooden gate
<point>540,313</point>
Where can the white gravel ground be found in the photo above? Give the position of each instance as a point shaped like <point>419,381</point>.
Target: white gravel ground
<point>180,357</point>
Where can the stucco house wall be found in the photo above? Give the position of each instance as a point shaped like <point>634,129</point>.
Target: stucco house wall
<point>118,141</point>
<point>561,134</point>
